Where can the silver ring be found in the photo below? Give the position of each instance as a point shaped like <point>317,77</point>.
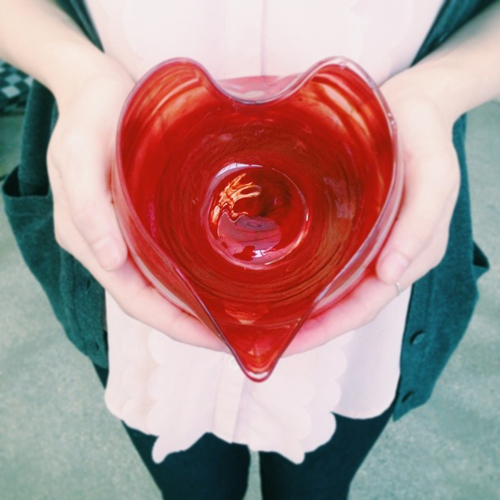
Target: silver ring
<point>398,287</point>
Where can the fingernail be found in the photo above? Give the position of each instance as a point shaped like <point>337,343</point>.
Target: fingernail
<point>392,268</point>
<point>107,253</point>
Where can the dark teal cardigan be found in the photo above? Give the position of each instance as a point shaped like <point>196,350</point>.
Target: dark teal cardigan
<point>441,304</point>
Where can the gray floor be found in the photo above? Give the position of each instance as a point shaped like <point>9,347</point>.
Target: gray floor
<point>58,441</point>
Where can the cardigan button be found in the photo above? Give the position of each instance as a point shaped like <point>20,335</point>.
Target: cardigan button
<point>88,284</point>
<point>441,39</point>
<point>407,396</point>
<point>417,337</point>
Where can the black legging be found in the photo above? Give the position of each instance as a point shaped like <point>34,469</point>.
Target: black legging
<point>215,470</point>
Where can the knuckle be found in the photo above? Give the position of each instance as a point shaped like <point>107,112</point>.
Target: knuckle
<point>451,178</point>
<point>55,157</point>
<point>440,250</point>
<point>59,235</point>
<point>51,155</point>
<point>455,186</point>
<point>59,238</point>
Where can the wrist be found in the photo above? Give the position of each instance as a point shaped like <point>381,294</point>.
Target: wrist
<point>461,74</point>
<point>75,66</point>
<point>441,86</point>
<point>43,41</point>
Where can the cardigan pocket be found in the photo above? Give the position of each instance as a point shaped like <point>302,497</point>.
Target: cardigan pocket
<point>68,285</point>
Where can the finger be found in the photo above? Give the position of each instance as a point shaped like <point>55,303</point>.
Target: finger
<point>360,307</point>
<point>431,187</point>
<point>133,293</point>
<point>369,298</point>
<point>86,181</point>
<point>430,257</point>
<point>142,302</point>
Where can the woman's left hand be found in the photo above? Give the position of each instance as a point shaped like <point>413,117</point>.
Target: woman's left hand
<point>418,239</point>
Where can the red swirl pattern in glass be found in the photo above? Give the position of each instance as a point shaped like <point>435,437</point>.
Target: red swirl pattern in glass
<point>255,203</point>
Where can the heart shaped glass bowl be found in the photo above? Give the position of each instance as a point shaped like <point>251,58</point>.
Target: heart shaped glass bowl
<point>255,203</point>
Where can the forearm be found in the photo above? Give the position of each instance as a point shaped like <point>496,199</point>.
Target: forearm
<point>40,39</point>
<point>464,72</point>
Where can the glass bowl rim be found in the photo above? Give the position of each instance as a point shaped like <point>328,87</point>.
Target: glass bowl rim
<point>359,261</point>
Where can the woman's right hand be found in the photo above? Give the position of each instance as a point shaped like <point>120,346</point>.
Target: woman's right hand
<point>79,158</point>
<point>90,88</point>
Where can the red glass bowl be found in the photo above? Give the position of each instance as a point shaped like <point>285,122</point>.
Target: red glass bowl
<point>256,202</point>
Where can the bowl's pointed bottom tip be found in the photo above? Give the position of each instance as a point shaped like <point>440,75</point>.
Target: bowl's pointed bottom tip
<point>258,368</point>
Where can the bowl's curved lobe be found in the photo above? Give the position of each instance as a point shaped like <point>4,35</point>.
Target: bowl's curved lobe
<point>252,212</point>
